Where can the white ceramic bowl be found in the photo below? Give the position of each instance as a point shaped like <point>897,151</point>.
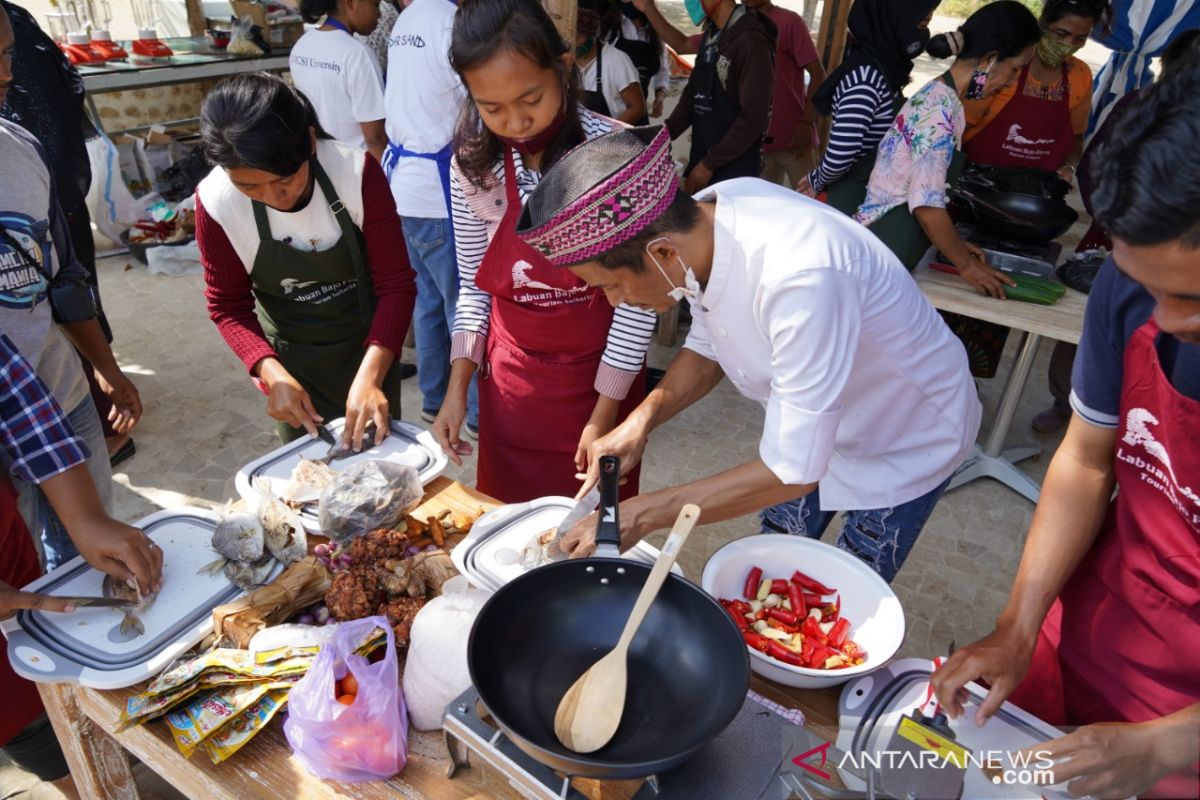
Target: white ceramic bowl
<point>872,607</point>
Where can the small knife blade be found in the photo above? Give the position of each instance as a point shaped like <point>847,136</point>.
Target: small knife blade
<point>584,507</point>
<point>95,602</point>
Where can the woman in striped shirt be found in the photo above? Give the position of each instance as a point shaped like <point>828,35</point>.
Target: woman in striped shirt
<point>559,367</point>
<point>863,95</point>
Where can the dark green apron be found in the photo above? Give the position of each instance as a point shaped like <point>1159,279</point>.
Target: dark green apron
<point>847,193</point>
<point>899,228</point>
<point>316,310</point>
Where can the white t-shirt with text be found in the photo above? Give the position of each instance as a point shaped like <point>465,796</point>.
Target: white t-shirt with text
<point>342,79</point>
<point>422,113</point>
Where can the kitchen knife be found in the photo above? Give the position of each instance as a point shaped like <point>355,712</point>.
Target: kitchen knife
<point>584,507</point>
<point>95,602</point>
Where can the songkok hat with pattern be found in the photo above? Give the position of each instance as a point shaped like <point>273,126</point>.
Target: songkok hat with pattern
<point>600,195</point>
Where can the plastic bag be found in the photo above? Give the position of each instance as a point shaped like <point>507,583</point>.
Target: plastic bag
<point>174,259</point>
<point>241,40</point>
<point>364,741</point>
<point>368,495</point>
<point>436,670</point>
<point>109,202</point>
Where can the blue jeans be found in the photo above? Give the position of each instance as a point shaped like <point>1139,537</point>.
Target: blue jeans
<point>45,525</point>
<point>431,251</point>
<point>881,537</point>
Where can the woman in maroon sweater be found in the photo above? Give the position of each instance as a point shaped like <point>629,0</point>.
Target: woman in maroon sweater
<point>307,275</point>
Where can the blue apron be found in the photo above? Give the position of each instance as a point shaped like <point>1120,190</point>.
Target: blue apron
<point>442,158</point>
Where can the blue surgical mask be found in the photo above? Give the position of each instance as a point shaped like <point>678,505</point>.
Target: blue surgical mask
<point>695,10</point>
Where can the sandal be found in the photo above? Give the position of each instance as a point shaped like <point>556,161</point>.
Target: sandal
<point>126,452</point>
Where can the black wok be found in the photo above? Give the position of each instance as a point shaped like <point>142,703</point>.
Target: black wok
<point>1023,217</point>
<point>688,665</point>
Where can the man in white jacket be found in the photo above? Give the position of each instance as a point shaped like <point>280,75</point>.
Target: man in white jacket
<point>866,392</point>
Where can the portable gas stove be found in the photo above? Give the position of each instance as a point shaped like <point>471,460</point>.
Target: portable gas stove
<point>743,762</point>
<point>1037,259</point>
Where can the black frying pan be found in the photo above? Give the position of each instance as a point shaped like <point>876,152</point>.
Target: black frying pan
<point>1023,217</point>
<point>688,665</point>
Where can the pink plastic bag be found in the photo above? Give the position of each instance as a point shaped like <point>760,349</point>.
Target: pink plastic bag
<point>364,741</point>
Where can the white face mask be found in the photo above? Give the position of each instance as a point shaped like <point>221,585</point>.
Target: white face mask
<point>691,286</point>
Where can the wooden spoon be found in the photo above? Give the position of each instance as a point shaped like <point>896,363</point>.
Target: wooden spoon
<point>590,711</point>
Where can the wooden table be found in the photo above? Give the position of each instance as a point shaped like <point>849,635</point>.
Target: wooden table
<point>86,720</point>
<point>1062,322</point>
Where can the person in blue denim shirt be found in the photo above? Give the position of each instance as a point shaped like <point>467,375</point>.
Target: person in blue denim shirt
<point>421,115</point>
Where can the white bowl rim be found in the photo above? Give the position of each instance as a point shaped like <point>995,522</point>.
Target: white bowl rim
<point>809,672</point>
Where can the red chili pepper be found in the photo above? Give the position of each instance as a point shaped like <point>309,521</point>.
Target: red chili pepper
<point>756,641</point>
<point>779,586</point>
<point>738,620</point>
<point>818,657</point>
<point>832,611</point>
<point>778,651</point>
<point>750,590</point>
<point>811,629</point>
<point>796,598</point>
<point>810,584</point>
<point>784,616</point>
<point>807,647</point>
<point>781,626</point>
<point>813,600</point>
<point>760,614</point>
<point>740,606</point>
<point>839,632</point>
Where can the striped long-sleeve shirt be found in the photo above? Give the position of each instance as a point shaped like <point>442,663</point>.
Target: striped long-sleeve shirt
<point>631,328</point>
<point>863,110</point>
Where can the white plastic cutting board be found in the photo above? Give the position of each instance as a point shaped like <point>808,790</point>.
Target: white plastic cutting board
<point>490,555</point>
<point>85,646</point>
<point>405,444</point>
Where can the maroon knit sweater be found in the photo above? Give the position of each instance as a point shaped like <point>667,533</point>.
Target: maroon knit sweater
<point>228,287</point>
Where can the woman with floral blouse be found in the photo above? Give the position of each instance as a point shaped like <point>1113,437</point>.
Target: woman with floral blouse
<point>906,200</point>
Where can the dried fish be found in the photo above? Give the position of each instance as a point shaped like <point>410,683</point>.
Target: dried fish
<point>239,537</point>
<point>541,549</point>
<point>246,576</point>
<point>309,479</point>
<point>134,603</point>
<point>284,535</point>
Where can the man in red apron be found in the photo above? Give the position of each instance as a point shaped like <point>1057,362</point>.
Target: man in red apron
<point>1101,627</point>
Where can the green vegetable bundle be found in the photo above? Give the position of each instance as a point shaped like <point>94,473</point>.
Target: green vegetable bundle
<point>1029,289</point>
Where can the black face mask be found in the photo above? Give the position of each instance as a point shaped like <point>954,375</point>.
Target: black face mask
<point>918,43</point>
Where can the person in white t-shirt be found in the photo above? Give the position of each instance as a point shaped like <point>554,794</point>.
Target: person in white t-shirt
<point>867,393</point>
<point>421,115</point>
<point>339,75</point>
<point>609,79</point>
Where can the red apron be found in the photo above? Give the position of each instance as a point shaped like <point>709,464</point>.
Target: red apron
<point>547,333</point>
<point>1120,642</point>
<point>18,566</point>
<point>1028,131</point>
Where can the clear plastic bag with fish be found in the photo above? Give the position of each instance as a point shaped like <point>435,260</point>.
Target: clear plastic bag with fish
<point>369,495</point>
